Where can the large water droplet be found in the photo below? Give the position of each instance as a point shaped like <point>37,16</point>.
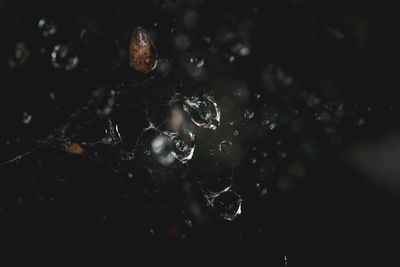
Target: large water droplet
<point>248,114</point>
<point>62,57</point>
<point>204,111</point>
<point>228,205</point>
<point>182,146</point>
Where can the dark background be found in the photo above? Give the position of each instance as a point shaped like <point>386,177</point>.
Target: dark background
<point>333,195</point>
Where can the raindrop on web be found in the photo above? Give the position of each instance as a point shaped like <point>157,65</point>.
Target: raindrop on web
<point>62,57</point>
<point>112,135</point>
<point>182,146</point>
<point>227,205</point>
<point>47,28</point>
<point>204,111</point>
<point>248,114</point>
<point>26,118</point>
<point>225,147</point>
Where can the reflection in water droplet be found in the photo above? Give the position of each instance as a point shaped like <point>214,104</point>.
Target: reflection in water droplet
<point>228,205</point>
<point>204,111</point>
<point>182,146</point>
<point>225,147</point>
<point>47,28</point>
<point>161,150</point>
<point>248,114</point>
<point>62,57</point>
<point>26,118</point>
<point>112,135</point>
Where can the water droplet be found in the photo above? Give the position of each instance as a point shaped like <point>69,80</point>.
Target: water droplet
<point>231,58</point>
<point>248,114</point>
<point>47,28</point>
<point>241,50</point>
<point>225,147</point>
<point>285,260</point>
<point>200,63</point>
<point>142,51</point>
<point>262,190</point>
<point>62,57</point>
<point>253,160</point>
<point>228,205</point>
<point>26,118</point>
<point>236,133</point>
<point>212,152</point>
<point>204,111</point>
<point>271,124</point>
<point>112,135</point>
<point>182,146</point>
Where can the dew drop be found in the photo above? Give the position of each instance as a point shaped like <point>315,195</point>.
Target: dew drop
<point>204,111</point>
<point>62,57</point>
<point>47,28</point>
<point>227,205</point>
<point>236,133</point>
<point>182,146</point>
<point>112,135</point>
<point>225,147</point>
<point>26,118</point>
<point>248,114</point>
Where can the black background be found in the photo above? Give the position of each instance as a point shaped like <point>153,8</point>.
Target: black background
<point>334,215</point>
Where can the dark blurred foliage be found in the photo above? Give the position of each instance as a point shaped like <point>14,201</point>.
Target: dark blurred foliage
<point>328,192</point>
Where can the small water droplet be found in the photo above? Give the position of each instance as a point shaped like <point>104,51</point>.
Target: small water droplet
<point>112,135</point>
<point>253,160</point>
<point>62,57</point>
<point>248,114</point>
<point>47,28</point>
<point>225,147</point>
<point>236,133</point>
<point>26,118</point>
